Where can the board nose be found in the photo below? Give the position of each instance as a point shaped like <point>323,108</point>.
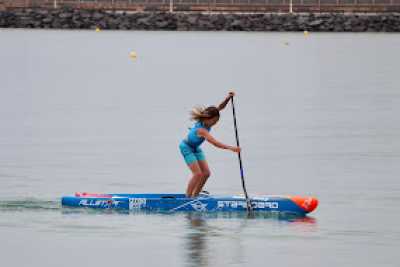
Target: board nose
<point>308,204</point>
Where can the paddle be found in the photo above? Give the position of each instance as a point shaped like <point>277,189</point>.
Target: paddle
<point>248,203</point>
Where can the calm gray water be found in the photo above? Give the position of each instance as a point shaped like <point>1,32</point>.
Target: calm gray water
<point>318,115</point>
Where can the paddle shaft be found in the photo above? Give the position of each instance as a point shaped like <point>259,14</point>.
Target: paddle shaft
<point>249,209</point>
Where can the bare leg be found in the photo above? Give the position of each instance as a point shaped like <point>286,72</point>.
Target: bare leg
<point>196,179</point>
<point>205,171</point>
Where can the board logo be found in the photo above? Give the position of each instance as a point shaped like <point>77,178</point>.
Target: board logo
<point>96,203</point>
<point>198,206</point>
<point>137,203</point>
<point>307,203</point>
<point>242,204</point>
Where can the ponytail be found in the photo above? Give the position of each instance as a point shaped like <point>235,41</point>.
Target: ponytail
<point>201,113</point>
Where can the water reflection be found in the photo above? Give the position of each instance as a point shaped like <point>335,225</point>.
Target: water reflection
<point>201,234</point>
<point>278,216</point>
<point>197,244</point>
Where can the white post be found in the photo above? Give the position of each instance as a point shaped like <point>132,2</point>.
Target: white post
<point>291,7</point>
<point>171,6</point>
<point>55,3</point>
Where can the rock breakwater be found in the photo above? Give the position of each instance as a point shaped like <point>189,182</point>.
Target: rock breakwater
<point>91,19</point>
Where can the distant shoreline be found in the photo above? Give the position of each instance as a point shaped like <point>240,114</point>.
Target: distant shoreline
<point>92,19</point>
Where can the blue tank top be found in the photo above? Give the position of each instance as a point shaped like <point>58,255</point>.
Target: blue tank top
<point>193,139</point>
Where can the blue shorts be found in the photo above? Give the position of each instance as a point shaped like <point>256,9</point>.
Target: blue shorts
<point>191,154</point>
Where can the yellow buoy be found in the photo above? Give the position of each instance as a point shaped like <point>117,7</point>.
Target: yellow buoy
<point>97,29</point>
<point>305,33</point>
<point>132,55</point>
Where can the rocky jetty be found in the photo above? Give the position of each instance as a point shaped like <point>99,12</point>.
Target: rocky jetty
<point>91,19</point>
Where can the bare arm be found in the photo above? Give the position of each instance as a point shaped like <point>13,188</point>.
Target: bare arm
<point>226,100</point>
<point>204,133</point>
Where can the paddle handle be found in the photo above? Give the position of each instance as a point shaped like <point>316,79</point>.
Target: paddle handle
<point>249,208</point>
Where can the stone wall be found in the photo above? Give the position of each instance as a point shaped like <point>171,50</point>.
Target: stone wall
<point>91,19</point>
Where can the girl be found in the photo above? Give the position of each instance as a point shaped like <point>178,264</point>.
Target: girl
<point>190,146</point>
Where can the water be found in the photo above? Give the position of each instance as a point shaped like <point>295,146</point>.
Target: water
<point>317,115</point>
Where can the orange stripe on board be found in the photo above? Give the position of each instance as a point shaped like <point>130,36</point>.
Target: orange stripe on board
<point>85,194</point>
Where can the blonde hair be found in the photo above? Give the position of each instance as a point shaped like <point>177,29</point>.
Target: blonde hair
<point>200,113</point>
